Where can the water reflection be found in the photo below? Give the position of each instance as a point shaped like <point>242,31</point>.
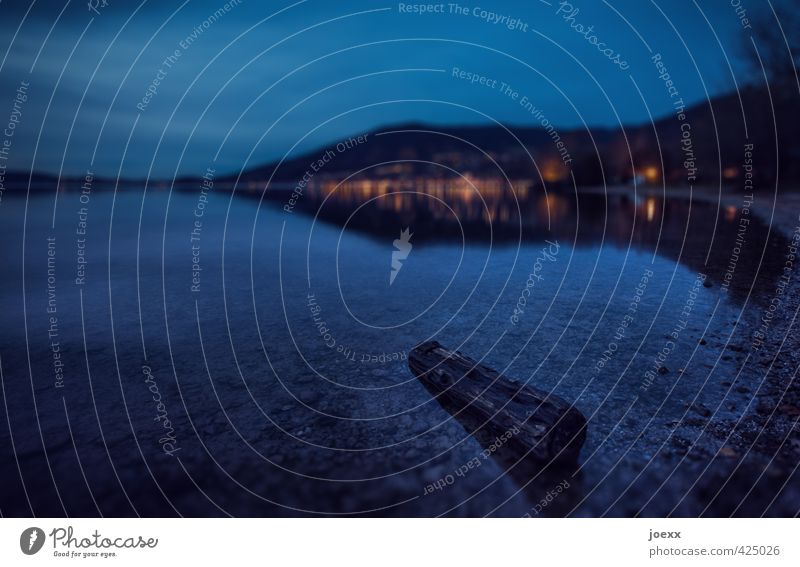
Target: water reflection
<point>698,234</point>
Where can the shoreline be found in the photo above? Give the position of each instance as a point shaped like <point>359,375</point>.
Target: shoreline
<point>783,217</point>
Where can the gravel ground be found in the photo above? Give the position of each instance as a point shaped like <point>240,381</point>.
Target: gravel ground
<point>748,466</point>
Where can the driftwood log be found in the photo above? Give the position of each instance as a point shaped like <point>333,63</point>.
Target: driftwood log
<point>520,424</point>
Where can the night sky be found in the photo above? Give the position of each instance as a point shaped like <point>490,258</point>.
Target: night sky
<point>266,78</point>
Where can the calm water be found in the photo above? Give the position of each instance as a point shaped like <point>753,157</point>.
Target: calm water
<point>283,372</point>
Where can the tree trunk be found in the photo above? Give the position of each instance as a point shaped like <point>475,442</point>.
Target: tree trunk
<point>523,423</point>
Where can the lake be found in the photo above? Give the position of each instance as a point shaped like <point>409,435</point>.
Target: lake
<point>203,353</point>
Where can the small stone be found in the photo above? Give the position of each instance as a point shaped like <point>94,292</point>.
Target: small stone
<point>309,396</point>
<point>700,409</point>
<point>682,445</point>
<point>702,342</point>
<point>663,369</point>
<point>728,453</point>
<point>764,408</point>
<point>774,471</point>
<point>411,454</point>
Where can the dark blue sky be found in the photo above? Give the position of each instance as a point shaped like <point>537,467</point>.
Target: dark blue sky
<point>256,82</point>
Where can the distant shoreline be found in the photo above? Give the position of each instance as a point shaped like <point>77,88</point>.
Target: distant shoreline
<point>784,218</point>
